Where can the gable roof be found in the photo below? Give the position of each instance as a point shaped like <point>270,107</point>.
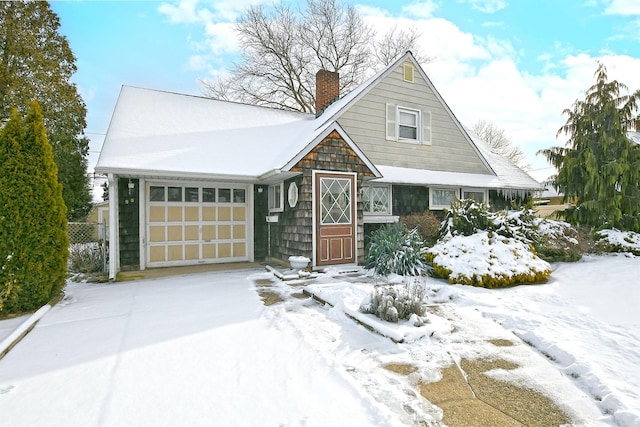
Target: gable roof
<point>335,110</point>
<point>162,133</point>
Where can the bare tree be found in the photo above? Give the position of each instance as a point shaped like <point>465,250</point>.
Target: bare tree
<point>282,49</point>
<point>499,142</point>
<point>395,43</point>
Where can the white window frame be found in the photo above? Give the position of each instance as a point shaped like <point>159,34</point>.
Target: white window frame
<point>438,207</point>
<point>389,201</point>
<point>484,192</point>
<point>276,204</point>
<point>423,124</point>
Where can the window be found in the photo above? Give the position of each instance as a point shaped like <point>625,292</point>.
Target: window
<point>442,198</point>
<point>238,195</point>
<point>209,195</point>
<point>276,197</point>
<point>408,124</point>
<point>224,195</point>
<point>175,194</point>
<point>156,194</point>
<point>376,199</point>
<point>192,194</point>
<point>478,195</point>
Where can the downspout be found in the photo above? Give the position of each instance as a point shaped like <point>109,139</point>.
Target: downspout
<point>114,255</point>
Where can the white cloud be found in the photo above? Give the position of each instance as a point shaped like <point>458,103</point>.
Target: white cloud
<point>420,9</point>
<point>623,7</point>
<point>486,6</point>
<point>479,78</point>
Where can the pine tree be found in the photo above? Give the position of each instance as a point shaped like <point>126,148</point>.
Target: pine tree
<point>600,167</point>
<point>34,244</point>
<point>36,62</point>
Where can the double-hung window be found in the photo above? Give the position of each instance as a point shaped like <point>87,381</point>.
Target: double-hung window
<point>406,124</point>
<point>276,197</point>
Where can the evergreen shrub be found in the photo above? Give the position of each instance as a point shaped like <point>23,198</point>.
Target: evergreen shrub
<point>394,249</point>
<point>34,243</point>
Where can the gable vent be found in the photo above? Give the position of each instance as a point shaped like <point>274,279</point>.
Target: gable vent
<point>408,72</point>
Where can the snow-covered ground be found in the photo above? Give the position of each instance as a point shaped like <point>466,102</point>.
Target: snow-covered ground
<point>203,350</point>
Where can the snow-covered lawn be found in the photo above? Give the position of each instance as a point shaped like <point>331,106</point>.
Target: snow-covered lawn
<point>203,350</point>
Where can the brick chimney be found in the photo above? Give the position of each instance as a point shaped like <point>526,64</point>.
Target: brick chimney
<point>327,89</point>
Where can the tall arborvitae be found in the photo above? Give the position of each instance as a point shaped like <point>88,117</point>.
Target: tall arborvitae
<point>600,167</point>
<point>34,243</point>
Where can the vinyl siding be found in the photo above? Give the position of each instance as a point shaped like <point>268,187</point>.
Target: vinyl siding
<point>365,123</point>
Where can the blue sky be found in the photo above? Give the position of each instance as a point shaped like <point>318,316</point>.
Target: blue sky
<point>516,63</point>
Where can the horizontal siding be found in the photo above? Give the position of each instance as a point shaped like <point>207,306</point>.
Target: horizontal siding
<point>365,123</point>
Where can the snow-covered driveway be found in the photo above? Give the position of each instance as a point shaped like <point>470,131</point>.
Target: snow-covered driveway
<point>173,352</point>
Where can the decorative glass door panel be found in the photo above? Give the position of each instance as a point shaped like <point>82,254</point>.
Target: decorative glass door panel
<point>336,200</point>
<point>335,218</point>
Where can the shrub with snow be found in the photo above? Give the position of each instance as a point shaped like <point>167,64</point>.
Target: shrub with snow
<point>394,249</point>
<point>394,302</point>
<point>487,259</point>
<point>613,240</point>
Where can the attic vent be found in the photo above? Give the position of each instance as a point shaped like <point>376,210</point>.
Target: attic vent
<point>408,72</point>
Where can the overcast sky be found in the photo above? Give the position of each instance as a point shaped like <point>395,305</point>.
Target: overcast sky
<point>515,63</point>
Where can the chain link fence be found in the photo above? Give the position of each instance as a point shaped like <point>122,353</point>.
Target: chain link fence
<point>88,247</point>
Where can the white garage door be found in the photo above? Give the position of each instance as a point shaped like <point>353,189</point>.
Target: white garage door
<point>192,224</point>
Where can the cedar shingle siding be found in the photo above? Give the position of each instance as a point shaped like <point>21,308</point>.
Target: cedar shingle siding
<point>293,234</point>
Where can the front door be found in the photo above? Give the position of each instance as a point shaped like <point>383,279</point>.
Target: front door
<point>335,218</point>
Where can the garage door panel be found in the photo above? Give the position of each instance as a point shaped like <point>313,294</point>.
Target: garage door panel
<point>224,213</point>
<point>209,213</point>
<point>156,213</point>
<point>192,232</point>
<point>156,254</point>
<point>157,233</point>
<point>192,252</point>
<point>191,213</point>
<point>239,214</point>
<point>174,213</point>
<point>239,231</point>
<point>209,232</point>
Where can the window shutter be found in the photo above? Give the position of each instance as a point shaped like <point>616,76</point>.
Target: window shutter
<point>426,127</point>
<point>391,122</point>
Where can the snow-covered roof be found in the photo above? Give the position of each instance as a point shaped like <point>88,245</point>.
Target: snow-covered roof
<point>634,136</point>
<point>156,133</point>
<point>510,175</point>
<point>153,132</point>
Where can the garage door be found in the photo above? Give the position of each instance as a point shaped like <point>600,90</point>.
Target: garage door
<point>192,224</point>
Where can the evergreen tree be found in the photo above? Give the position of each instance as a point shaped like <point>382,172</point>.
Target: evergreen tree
<point>34,243</point>
<point>600,167</point>
<point>36,62</point>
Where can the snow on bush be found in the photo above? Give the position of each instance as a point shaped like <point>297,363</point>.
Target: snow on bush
<point>393,302</point>
<point>487,259</point>
<point>394,249</point>
<point>613,240</point>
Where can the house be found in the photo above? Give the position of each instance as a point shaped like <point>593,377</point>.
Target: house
<point>195,180</point>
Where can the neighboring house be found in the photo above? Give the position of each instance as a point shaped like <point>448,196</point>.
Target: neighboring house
<point>195,180</point>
